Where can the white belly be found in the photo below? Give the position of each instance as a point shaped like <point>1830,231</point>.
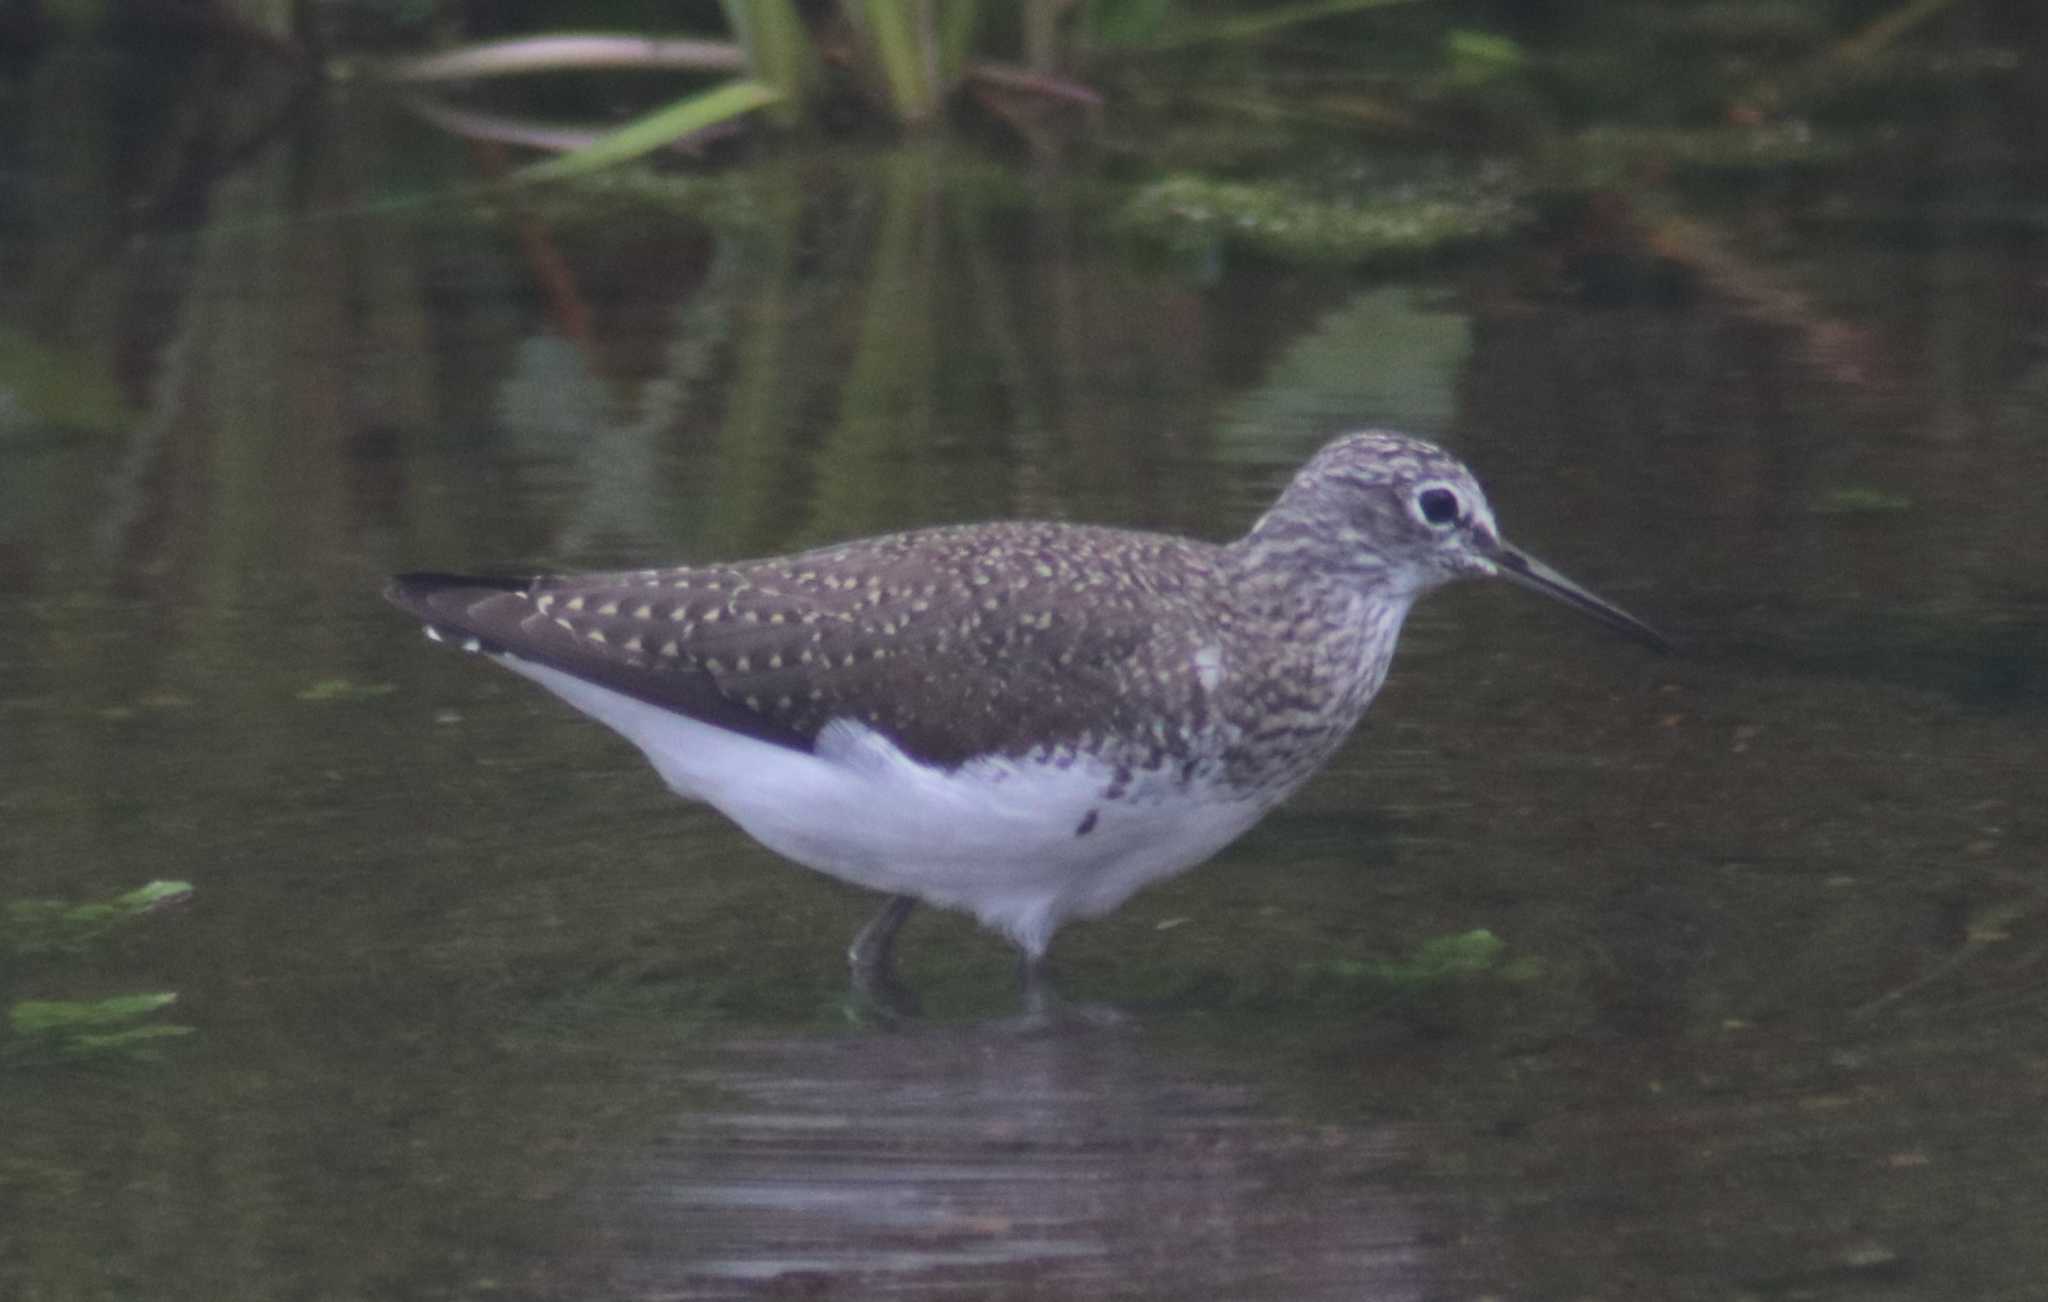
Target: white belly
<point>1020,846</point>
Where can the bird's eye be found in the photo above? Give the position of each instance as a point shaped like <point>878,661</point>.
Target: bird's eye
<point>1439,506</point>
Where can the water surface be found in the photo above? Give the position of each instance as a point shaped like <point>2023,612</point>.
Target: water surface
<point>481,1012</point>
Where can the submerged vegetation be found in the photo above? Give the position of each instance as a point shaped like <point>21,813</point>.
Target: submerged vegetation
<point>1222,116</point>
<point>117,1026</point>
<point>1218,117</point>
<point>1281,222</point>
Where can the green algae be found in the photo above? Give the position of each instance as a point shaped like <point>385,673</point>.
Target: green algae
<point>1286,223</point>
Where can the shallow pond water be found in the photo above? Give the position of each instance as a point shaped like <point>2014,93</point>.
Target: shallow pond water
<point>481,1012</point>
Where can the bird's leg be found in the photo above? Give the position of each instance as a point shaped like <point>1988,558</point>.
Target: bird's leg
<point>871,958</point>
<point>1044,1010</point>
<point>1034,980</point>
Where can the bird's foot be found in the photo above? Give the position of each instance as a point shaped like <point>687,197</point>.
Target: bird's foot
<point>875,995</point>
<point>1045,1013</point>
<point>1061,1019</point>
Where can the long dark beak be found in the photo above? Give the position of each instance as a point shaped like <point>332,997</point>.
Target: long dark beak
<point>1524,570</point>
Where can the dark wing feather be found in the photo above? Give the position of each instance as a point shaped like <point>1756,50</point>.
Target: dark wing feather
<point>953,643</point>
<point>501,615</point>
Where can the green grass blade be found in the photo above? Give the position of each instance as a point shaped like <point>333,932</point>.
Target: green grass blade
<point>1253,26</point>
<point>657,129</point>
<point>45,1016</point>
<point>779,50</point>
<point>893,32</point>
<point>958,21</point>
<point>53,1029</point>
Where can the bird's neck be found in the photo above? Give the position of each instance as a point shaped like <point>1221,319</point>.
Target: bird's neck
<point>1285,570</point>
<point>1324,637</point>
<point>1341,610</point>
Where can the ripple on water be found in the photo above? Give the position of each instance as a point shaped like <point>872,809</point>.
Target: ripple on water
<point>1076,1166</point>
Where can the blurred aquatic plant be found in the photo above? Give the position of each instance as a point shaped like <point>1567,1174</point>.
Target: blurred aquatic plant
<point>1477,58</point>
<point>657,130</point>
<point>54,385</point>
<point>907,60</point>
<point>1161,26</point>
<point>46,1029</point>
<point>1392,350</point>
<point>918,49</point>
<point>1429,982</point>
<point>36,927</point>
<point>778,51</point>
<point>1284,222</point>
<point>1433,962</point>
<point>118,1026</point>
<point>1860,500</point>
<point>906,56</point>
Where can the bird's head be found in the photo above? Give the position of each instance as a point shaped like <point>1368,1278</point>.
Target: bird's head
<point>1400,516</point>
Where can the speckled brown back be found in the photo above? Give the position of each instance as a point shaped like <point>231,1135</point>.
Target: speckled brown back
<point>954,642</point>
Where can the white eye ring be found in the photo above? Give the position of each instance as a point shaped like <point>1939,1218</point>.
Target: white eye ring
<point>1438,506</point>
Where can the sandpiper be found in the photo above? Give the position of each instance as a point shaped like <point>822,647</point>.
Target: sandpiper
<point>1025,721</point>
